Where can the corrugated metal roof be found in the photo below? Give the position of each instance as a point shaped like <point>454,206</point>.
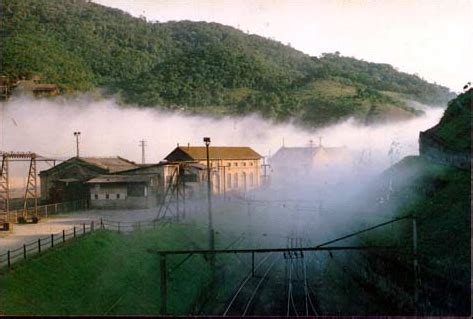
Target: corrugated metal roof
<point>111,164</point>
<point>199,153</point>
<point>103,179</point>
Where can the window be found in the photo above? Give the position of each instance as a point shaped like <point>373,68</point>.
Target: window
<point>229,180</point>
<point>236,164</point>
<point>244,163</point>
<point>118,196</point>
<point>229,164</point>
<point>136,190</point>
<point>107,196</point>
<point>235,180</point>
<point>96,196</point>
<point>251,163</point>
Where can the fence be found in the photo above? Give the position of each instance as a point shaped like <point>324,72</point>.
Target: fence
<point>123,226</point>
<point>44,211</point>
<point>43,243</point>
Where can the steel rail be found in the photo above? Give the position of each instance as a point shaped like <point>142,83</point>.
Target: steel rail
<point>243,284</point>
<point>258,285</point>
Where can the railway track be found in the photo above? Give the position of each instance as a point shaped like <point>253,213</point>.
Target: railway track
<point>243,300</point>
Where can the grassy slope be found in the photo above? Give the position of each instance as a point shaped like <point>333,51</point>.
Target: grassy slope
<point>104,273</point>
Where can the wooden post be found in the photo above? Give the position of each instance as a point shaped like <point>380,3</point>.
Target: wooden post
<point>63,235</point>
<point>24,251</point>
<point>83,228</point>
<point>163,283</point>
<point>52,240</point>
<point>39,245</point>
<point>101,224</point>
<point>74,231</point>
<point>8,259</point>
<point>416,265</point>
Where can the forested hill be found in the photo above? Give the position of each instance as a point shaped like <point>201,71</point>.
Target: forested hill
<point>197,66</point>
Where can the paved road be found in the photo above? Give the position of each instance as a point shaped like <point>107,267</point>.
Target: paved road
<point>21,234</point>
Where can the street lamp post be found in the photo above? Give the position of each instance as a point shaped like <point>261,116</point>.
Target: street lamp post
<point>77,134</point>
<point>209,204</point>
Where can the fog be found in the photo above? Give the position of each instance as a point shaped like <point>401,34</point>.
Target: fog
<point>107,129</point>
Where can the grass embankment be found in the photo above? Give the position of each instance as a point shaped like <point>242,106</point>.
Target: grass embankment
<point>106,273</point>
<point>439,195</point>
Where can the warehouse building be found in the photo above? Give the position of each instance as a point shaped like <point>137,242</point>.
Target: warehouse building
<point>66,181</point>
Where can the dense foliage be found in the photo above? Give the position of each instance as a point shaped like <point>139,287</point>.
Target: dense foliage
<point>454,128</point>
<point>195,65</point>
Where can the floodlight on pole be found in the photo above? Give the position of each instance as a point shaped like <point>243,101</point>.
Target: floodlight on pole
<point>209,203</point>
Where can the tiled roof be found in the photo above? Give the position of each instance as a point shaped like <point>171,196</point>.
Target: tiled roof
<point>199,153</point>
<point>110,164</point>
<point>102,179</point>
<point>304,153</point>
<point>295,153</point>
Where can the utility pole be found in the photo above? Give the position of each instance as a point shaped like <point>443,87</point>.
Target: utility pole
<point>265,175</point>
<point>142,145</point>
<point>77,135</point>
<point>209,206</point>
<point>416,264</point>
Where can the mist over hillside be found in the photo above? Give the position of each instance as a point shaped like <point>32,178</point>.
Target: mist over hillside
<point>109,129</point>
<point>199,67</point>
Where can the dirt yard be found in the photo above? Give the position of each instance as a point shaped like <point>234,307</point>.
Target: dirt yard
<point>25,233</point>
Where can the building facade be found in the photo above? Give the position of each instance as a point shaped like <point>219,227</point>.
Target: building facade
<point>233,169</point>
<point>66,181</point>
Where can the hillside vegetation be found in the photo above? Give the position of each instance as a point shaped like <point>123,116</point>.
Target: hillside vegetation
<point>197,66</point>
<point>454,129</point>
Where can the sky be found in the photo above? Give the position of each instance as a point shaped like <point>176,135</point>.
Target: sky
<point>433,38</point>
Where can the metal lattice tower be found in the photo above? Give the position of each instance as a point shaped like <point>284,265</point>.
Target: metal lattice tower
<point>31,189</point>
<point>4,191</point>
<point>175,192</point>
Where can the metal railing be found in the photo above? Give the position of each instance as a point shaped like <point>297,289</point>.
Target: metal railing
<point>41,244</point>
<point>44,211</point>
<point>38,246</point>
